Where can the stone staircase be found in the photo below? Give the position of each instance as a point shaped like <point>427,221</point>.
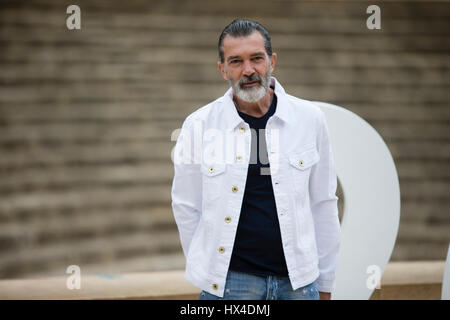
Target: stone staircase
<point>86,116</point>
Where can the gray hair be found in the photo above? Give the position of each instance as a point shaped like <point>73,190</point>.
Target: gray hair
<point>243,28</point>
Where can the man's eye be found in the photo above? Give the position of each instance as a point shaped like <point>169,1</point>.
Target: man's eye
<point>257,58</point>
<point>234,61</point>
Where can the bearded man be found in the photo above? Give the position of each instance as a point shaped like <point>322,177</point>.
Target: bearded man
<point>262,224</point>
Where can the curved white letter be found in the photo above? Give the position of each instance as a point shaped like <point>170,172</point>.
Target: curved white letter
<point>371,191</point>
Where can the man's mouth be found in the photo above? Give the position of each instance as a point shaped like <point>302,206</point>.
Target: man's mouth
<point>250,84</point>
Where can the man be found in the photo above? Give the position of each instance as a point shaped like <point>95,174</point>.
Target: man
<point>254,188</point>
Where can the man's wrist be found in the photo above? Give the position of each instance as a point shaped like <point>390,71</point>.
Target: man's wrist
<point>325,295</point>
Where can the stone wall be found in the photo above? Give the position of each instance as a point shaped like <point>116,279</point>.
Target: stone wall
<point>86,116</point>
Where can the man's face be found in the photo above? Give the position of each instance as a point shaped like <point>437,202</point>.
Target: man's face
<point>247,66</point>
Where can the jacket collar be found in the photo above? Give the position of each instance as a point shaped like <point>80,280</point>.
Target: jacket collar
<point>232,117</point>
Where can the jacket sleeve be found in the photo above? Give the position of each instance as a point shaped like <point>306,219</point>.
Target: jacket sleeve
<point>323,200</point>
<point>186,187</point>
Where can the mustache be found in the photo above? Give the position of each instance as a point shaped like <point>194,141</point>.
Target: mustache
<point>247,79</point>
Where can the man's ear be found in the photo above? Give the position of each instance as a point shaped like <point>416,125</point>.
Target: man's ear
<point>273,61</point>
<point>224,75</point>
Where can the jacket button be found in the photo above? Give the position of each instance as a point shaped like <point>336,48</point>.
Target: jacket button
<point>239,158</point>
<point>241,128</point>
<point>302,163</point>
<point>211,169</point>
<point>214,286</point>
<point>234,189</point>
<point>221,249</point>
<point>228,219</point>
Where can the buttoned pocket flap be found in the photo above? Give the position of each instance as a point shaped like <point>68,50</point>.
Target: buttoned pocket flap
<point>305,159</point>
<point>212,170</point>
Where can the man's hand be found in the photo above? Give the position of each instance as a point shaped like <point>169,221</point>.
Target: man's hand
<point>325,295</point>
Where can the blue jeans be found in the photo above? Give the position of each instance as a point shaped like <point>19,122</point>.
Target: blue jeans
<point>244,286</point>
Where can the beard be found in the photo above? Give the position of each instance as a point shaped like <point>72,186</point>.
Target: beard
<point>255,93</point>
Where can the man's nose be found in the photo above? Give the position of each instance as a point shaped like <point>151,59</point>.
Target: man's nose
<point>248,69</point>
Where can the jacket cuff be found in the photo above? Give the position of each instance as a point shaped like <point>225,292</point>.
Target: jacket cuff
<point>325,285</point>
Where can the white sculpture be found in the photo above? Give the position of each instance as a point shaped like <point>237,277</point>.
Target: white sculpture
<point>371,191</point>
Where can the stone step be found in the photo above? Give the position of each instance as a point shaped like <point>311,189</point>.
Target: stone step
<point>85,197</point>
<point>44,156</point>
<point>39,213</point>
<point>407,131</point>
<point>45,229</point>
<point>28,168</point>
<point>136,111</point>
<point>414,231</point>
<point>180,74</point>
<point>396,112</point>
<point>162,131</point>
<point>410,251</point>
<point>86,131</point>
<point>420,150</point>
<point>256,8</point>
<point>411,156</point>
<point>194,23</point>
<point>141,175</point>
<point>288,58</point>
<point>66,178</point>
<point>426,212</point>
<point>152,92</point>
<point>82,251</point>
<point>424,189</point>
<point>422,168</point>
<point>103,39</point>
<point>115,268</point>
<point>103,111</point>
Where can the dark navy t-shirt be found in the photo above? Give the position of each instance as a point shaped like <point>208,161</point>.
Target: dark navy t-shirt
<point>257,247</point>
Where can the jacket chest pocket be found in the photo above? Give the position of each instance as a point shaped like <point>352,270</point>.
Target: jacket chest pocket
<point>213,179</point>
<point>301,164</point>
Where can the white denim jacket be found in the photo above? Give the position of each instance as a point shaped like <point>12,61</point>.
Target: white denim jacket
<point>211,159</point>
